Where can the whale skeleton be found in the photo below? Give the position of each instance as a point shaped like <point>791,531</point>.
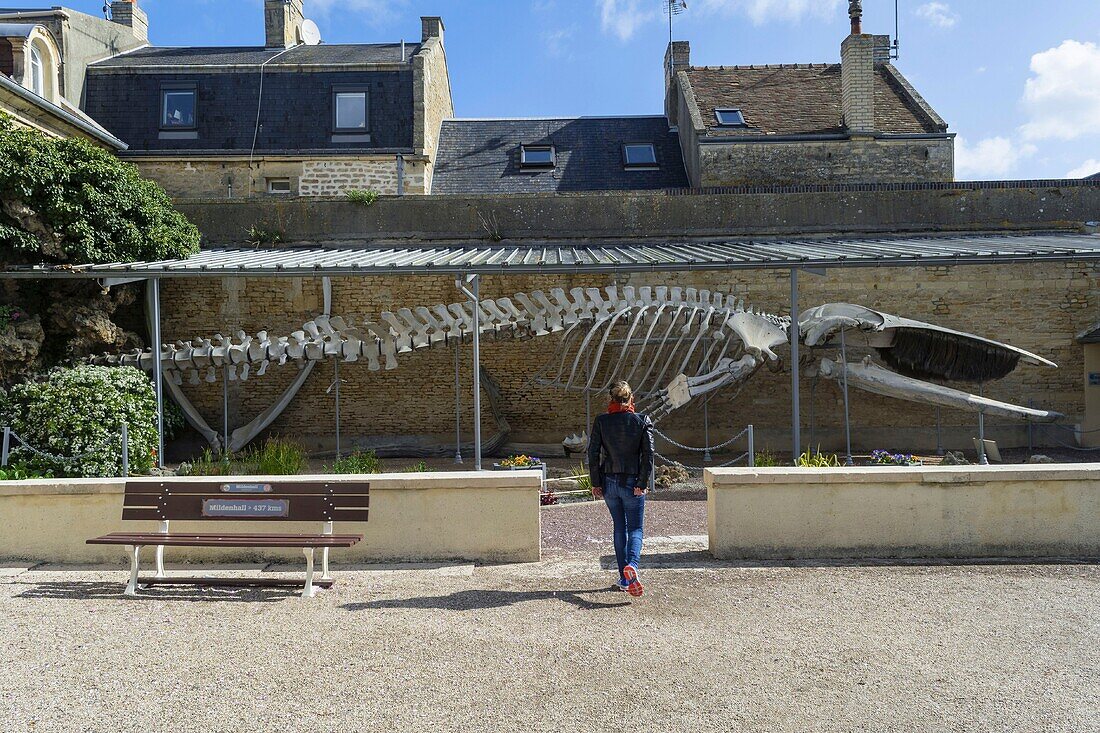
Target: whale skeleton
<point>673,344</point>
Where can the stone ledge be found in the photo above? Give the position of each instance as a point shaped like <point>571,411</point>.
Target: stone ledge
<point>499,480</point>
<point>732,477</point>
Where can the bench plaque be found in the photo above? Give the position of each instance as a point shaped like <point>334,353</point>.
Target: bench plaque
<point>248,508</point>
<point>246,488</point>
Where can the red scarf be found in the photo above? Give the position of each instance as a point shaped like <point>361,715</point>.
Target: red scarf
<point>620,407</point>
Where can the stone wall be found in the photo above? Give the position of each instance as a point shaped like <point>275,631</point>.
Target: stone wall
<point>480,517</point>
<point>231,178</point>
<point>891,512</point>
<point>835,161</point>
<point>1039,308</point>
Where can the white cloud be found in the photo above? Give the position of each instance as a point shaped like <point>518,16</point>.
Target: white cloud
<point>939,14</point>
<point>991,157</point>
<point>558,43</point>
<point>763,11</point>
<point>1089,168</point>
<point>623,17</point>
<point>1063,95</point>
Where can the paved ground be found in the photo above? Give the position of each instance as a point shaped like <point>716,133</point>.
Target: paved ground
<point>550,647</point>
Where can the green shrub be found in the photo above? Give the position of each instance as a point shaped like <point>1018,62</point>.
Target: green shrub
<point>207,464</point>
<point>584,481</point>
<point>419,467</point>
<point>71,201</point>
<point>366,198</point>
<point>357,462</point>
<point>22,473</point>
<point>276,457</point>
<point>74,418</point>
<point>260,235</point>
<point>766,459</point>
<point>817,459</point>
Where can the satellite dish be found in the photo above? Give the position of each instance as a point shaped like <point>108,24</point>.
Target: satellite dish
<point>311,34</point>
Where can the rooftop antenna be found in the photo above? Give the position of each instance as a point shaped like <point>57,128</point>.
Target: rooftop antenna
<point>674,7</point>
<point>895,48</point>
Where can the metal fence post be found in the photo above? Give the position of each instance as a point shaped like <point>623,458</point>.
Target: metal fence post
<point>125,451</point>
<point>7,446</point>
<point>752,448</point>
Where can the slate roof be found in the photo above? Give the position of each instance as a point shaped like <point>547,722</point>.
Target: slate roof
<point>1093,177</point>
<point>483,156</point>
<point>804,99</point>
<point>150,57</point>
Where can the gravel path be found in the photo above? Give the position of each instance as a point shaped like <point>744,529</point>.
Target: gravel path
<point>586,527</point>
<point>712,647</point>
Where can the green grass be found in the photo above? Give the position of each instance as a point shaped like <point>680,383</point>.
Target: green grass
<point>357,462</point>
<point>276,457</point>
<point>817,459</point>
<point>366,198</point>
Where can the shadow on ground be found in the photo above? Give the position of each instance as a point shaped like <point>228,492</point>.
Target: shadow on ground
<point>79,590</point>
<point>694,559</point>
<point>473,600</point>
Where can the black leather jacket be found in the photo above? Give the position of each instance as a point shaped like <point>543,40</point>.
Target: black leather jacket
<point>621,442</point>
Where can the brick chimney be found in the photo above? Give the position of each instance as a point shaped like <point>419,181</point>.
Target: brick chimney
<point>857,75</point>
<point>677,59</point>
<point>283,22</point>
<point>127,12</point>
<point>431,27</point>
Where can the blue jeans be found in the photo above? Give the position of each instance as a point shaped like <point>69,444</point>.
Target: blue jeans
<point>627,513</point>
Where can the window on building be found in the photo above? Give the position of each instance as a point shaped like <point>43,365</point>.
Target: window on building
<point>639,155</point>
<point>730,117</point>
<point>350,110</point>
<point>177,109</point>
<point>278,185</point>
<point>536,156</point>
<point>38,79</point>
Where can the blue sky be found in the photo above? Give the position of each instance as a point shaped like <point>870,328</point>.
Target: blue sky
<point>1018,80</point>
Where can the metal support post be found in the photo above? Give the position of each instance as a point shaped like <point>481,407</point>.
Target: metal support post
<point>158,372</point>
<point>458,410</point>
<point>847,421</point>
<point>752,448</point>
<point>125,451</point>
<point>336,370</point>
<point>706,419</point>
<point>7,447</point>
<point>939,432</point>
<point>225,411</point>
<point>983,459</point>
<point>796,427</point>
<point>587,391</point>
<point>1030,432</point>
<point>474,294</point>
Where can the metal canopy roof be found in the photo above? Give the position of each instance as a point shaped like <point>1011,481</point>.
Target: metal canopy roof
<point>586,256</point>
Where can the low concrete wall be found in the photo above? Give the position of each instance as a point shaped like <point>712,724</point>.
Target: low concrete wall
<point>482,517</point>
<point>973,511</point>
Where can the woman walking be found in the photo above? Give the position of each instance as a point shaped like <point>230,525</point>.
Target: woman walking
<point>620,460</point>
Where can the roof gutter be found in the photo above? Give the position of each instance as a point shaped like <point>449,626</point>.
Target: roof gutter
<point>762,139</point>
<point>10,85</point>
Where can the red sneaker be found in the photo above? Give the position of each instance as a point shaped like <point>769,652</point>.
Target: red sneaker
<point>634,586</point>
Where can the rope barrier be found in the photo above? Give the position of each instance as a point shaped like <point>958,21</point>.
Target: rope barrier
<point>681,446</point>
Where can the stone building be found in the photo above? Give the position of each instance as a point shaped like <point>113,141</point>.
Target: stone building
<point>859,121</point>
<point>291,118</point>
<point>43,55</point>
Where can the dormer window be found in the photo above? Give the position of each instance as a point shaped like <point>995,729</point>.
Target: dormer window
<point>38,84</point>
<point>177,108</point>
<point>536,156</point>
<point>640,155</point>
<point>730,117</point>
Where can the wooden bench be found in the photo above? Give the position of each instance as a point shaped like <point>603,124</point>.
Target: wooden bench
<point>226,500</point>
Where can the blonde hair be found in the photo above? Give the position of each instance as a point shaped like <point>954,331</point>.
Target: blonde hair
<point>621,392</point>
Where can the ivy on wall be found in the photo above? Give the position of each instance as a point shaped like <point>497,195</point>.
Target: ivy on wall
<point>68,201</point>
